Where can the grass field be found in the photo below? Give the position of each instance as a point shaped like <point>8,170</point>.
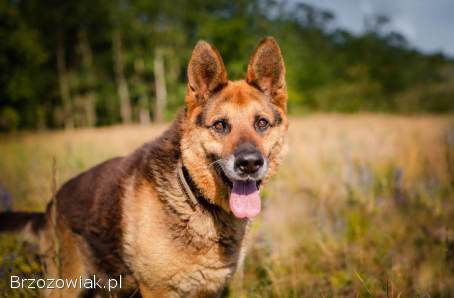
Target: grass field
<point>362,206</point>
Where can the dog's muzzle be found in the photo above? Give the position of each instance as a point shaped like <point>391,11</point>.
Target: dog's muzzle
<point>246,163</point>
<point>248,160</point>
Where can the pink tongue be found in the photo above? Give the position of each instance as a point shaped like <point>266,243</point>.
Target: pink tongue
<point>245,200</point>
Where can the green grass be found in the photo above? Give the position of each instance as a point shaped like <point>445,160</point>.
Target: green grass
<point>362,205</point>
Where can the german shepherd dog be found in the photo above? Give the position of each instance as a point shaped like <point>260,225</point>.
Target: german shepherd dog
<point>171,218</point>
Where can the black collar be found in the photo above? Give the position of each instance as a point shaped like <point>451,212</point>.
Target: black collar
<point>185,180</point>
<point>194,196</point>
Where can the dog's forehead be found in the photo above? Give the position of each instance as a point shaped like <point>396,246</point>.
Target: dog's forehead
<point>240,93</point>
<point>238,98</point>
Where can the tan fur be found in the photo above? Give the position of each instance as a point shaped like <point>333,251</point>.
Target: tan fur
<point>167,265</point>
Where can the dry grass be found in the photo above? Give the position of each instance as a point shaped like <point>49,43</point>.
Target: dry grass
<point>362,205</point>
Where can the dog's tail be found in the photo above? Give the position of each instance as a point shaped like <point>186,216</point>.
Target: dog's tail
<point>27,224</point>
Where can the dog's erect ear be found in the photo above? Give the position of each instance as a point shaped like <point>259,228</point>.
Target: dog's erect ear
<point>266,71</point>
<point>206,73</point>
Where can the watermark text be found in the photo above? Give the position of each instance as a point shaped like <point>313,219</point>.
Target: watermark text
<point>17,282</point>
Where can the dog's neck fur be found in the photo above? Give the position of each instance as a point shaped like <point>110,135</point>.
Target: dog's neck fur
<point>198,226</point>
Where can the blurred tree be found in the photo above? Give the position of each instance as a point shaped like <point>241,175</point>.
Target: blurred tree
<point>86,80</point>
<point>86,63</point>
<point>21,56</point>
<point>122,84</point>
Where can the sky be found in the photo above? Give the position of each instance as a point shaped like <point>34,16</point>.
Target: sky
<point>427,24</point>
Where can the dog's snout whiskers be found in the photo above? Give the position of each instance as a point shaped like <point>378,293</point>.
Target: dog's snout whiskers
<point>216,162</point>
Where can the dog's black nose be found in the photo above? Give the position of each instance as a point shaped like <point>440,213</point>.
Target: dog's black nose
<point>248,160</point>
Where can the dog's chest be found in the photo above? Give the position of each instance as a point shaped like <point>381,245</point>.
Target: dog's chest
<point>208,256</point>
<point>201,275</point>
<point>192,257</point>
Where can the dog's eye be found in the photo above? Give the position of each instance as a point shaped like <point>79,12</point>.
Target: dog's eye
<point>220,126</point>
<point>262,124</point>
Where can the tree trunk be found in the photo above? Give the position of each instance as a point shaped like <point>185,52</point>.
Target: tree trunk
<point>139,84</point>
<point>144,111</point>
<point>90,109</point>
<point>63,83</point>
<point>160,85</point>
<point>89,79</point>
<point>122,85</point>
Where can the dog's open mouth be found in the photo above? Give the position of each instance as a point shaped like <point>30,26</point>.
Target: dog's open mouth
<point>244,199</point>
<point>229,182</point>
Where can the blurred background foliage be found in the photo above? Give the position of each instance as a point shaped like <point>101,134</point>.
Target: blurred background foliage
<point>95,63</point>
<point>363,203</point>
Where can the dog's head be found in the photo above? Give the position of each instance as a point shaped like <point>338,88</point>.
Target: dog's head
<point>234,131</point>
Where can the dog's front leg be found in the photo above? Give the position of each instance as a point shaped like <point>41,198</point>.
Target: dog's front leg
<point>155,293</point>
